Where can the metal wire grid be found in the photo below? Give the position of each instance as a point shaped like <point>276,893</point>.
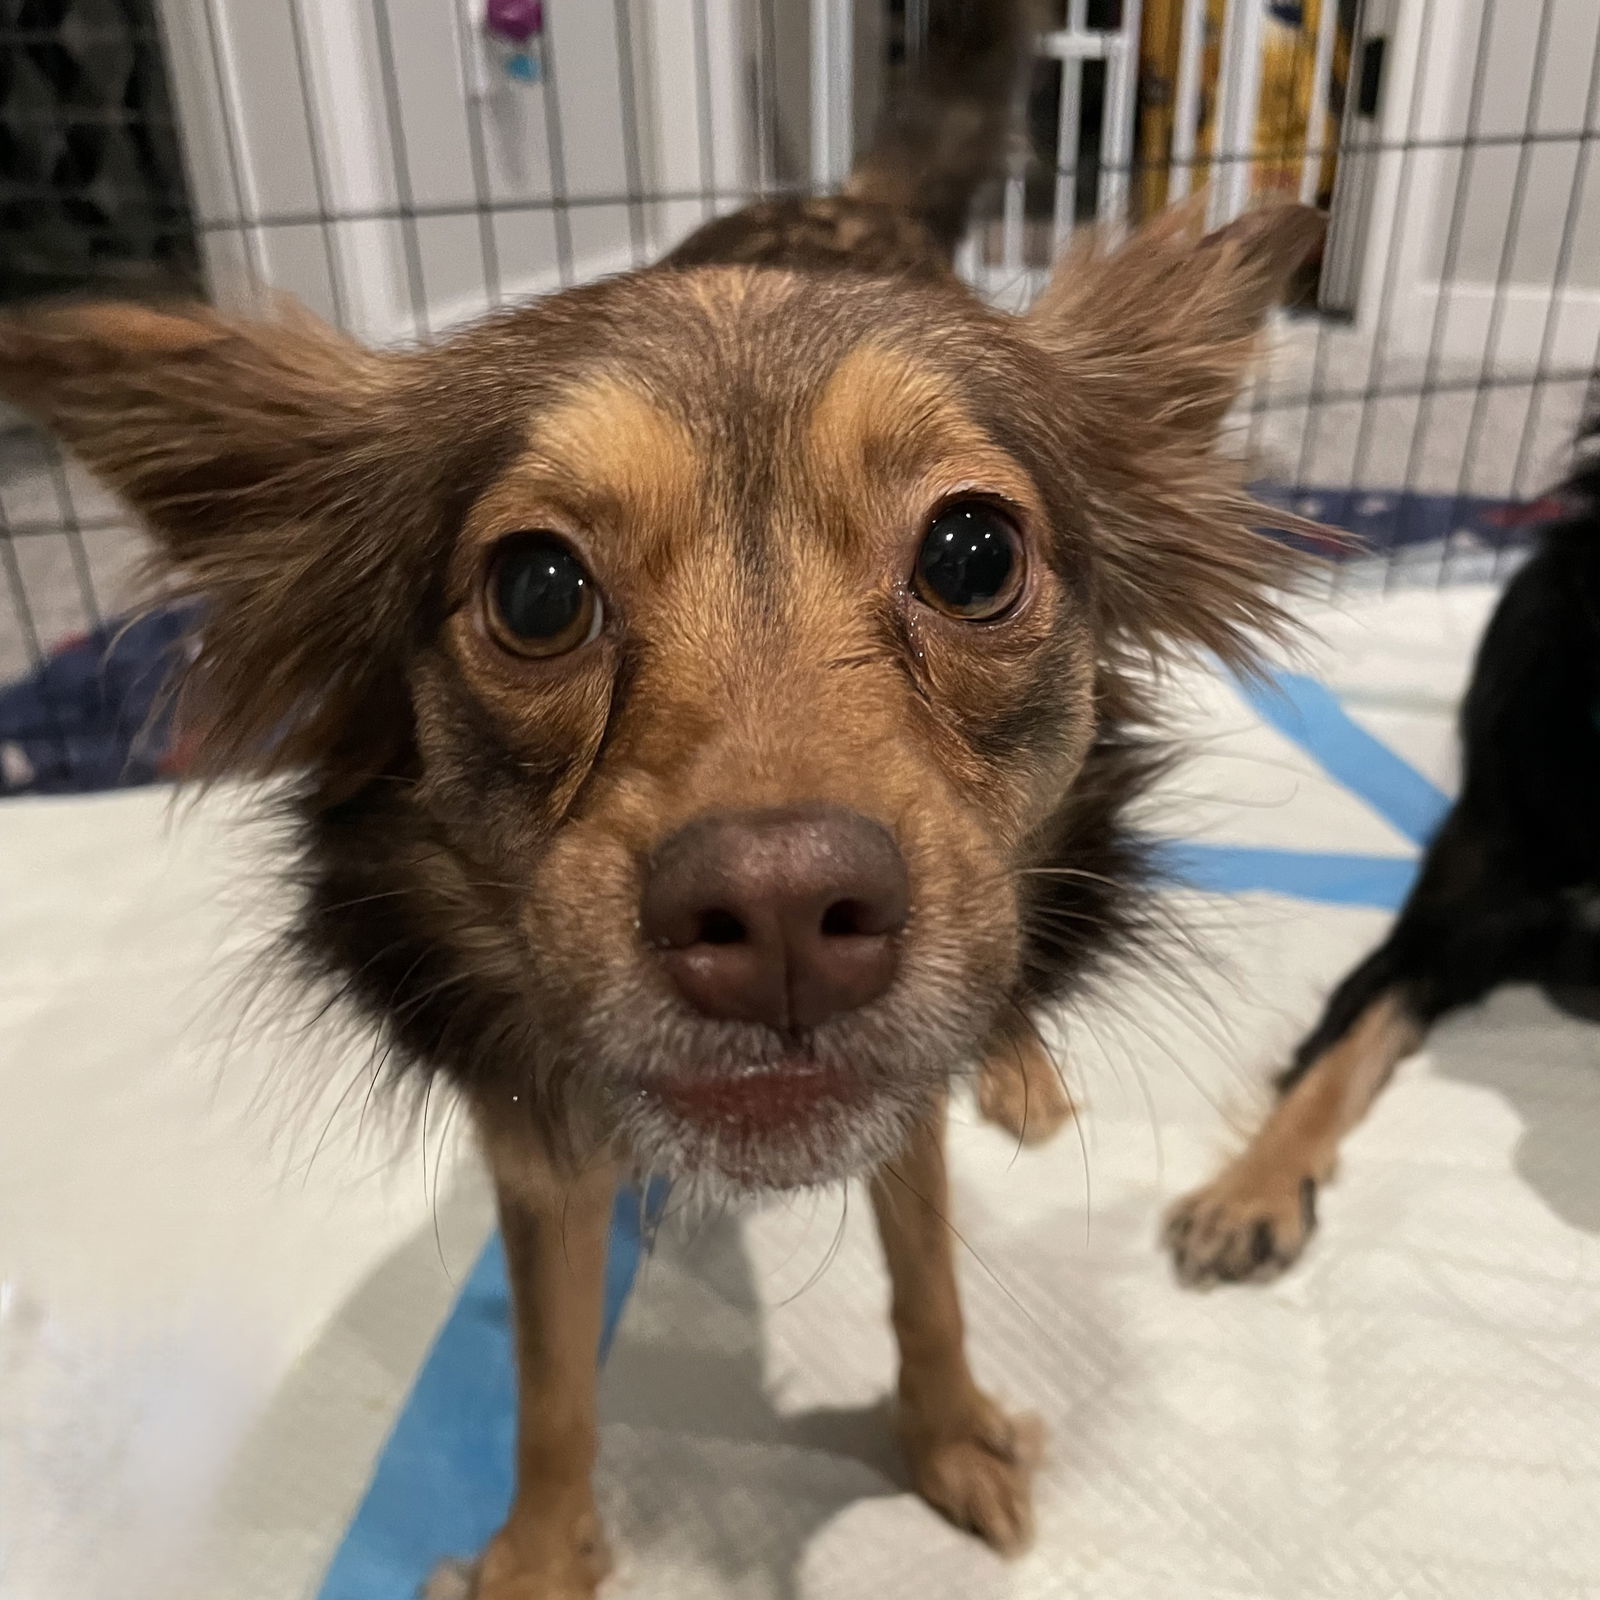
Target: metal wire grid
<point>91,183</point>
<point>91,191</point>
<point>805,79</point>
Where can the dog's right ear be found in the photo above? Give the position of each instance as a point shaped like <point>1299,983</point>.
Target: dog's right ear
<point>206,425</point>
<point>270,464</point>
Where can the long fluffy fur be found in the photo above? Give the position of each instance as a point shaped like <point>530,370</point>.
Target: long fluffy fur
<point>311,492</point>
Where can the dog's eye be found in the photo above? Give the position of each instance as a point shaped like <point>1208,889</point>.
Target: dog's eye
<point>970,564</point>
<point>540,600</point>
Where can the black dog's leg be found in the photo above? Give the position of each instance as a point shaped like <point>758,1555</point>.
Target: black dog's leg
<point>1467,927</point>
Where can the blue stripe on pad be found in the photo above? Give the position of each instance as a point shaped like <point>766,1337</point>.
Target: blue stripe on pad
<point>443,1481</point>
<point>1380,882</point>
<point>1309,713</point>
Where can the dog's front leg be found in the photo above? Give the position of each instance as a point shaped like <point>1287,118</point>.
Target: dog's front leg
<point>552,1547</point>
<point>968,1459</point>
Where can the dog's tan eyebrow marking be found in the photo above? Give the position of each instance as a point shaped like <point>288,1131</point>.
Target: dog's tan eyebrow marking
<point>884,415</point>
<point>608,450</point>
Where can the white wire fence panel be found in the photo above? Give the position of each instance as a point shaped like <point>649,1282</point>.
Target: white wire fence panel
<point>400,166</point>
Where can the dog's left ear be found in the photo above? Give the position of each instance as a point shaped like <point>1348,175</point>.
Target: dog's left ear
<point>1154,340</point>
<point>1176,309</point>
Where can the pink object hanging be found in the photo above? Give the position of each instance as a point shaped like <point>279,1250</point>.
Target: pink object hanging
<point>516,20</point>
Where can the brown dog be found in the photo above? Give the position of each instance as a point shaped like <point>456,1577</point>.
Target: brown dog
<point>714,694</point>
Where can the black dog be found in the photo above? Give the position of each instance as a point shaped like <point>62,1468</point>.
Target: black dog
<point>1509,892</point>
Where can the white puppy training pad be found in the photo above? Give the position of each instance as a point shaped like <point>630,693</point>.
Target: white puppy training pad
<point>206,1336</point>
<point>1415,1411</point>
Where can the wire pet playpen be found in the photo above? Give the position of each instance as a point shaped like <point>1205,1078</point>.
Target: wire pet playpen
<point>401,165</point>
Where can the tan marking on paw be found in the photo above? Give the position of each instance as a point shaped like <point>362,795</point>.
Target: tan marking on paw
<point>1247,1226</point>
<point>1252,1222</point>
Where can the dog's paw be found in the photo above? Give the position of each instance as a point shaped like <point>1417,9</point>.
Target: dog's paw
<point>1246,1227</point>
<point>451,1580</point>
<point>559,1569</point>
<point>1020,1091</point>
<point>979,1473</point>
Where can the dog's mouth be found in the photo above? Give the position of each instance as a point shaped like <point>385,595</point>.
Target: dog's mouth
<point>752,1107</point>
<point>775,1100</point>
<point>791,1122</point>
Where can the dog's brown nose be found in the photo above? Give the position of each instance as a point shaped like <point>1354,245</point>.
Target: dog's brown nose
<point>785,917</point>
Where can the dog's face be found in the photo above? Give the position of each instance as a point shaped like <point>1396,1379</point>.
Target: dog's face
<point>687,666</point>
<point>763,653</point>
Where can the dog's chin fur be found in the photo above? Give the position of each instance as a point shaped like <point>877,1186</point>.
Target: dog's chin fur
<point>853,1134</point>
<point>888,1066</point>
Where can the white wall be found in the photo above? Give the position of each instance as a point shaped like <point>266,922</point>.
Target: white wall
<point>293,110</point>
<point>1492,255</point>
<point>1532,185</point>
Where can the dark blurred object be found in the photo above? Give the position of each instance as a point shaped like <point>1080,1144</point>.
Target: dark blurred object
<point>98,713</point>
<point>92,189</point>
<point>1579,1002</point>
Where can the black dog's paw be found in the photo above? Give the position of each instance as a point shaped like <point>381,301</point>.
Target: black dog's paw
<point>1246,1227</point>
